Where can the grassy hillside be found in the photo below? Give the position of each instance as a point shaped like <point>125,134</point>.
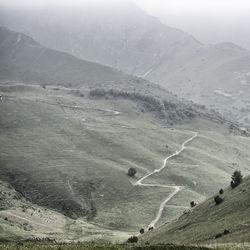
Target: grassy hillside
<point>207,222</point>
<point>70,153</point>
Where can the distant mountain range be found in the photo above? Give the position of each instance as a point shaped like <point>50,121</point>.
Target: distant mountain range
<point>24,59</point>
<point>128,39</point>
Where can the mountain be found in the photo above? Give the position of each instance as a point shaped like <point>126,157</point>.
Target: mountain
<point>208,223</point>
<point>66,149</point>
<point>119,35</point>
<point>23,59</point>
<point>126,38</point>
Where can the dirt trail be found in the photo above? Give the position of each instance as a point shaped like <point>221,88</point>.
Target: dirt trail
<point>176,188</point>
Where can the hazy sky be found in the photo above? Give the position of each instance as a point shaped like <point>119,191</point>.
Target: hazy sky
<point>210,21</point>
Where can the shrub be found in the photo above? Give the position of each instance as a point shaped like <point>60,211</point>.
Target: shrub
<point>132,239</point>
<point>218,199</point>
<point>132,172</point>
<point>236,179</point>
<point>151,228</point>
<point>141,231</point>
<point>221,191</point>
<point>192,204</point>
<point>226,232</point>
<point>218,235</point>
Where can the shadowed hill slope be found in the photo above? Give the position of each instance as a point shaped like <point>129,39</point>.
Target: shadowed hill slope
<point>23,59</point>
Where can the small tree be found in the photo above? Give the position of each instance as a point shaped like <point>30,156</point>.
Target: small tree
<point>141,231</point>
<point>192,204</point>
<point>221,191</point>
<point>132,172</point>
<point>218,199</point>
<point>236,179</point>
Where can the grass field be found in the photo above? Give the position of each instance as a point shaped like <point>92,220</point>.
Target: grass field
<point>70,155</point>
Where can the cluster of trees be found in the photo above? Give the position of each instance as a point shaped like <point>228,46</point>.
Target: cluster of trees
<point>165,109</point>
<point>236,181</point>
<point>132,239</point>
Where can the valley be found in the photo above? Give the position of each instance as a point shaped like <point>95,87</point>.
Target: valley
<point>70,154</point>
<point>115,130</point>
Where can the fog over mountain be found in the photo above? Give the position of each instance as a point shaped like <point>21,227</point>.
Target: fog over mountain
<point>209,21</point>
<point>122,35</point>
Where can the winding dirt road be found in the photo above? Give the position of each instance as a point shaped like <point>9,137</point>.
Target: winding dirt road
<point>176,188</point>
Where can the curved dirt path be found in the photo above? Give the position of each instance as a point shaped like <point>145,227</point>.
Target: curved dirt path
<point>176,188</point>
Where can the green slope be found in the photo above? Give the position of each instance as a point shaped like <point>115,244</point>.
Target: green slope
<point>202,223</point>
<point>68,149</point>
<point>71,154</point>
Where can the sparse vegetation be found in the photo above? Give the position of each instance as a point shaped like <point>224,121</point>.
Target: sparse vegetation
<point>209,223</point>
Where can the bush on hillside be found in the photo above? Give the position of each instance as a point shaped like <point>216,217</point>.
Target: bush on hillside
<point>141,231</point>
<point>132,239</point>
<point>218,199</point>
<point>221,191</point>
<point>218,235</point>
<point>192,204</point>
<point>236,179</point>
<point>132,172</point>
